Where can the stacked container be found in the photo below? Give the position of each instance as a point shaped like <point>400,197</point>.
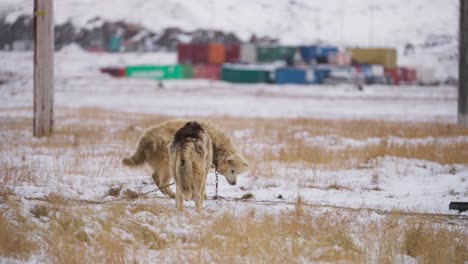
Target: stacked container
<point>184,53</point>
<point>216,54</point>
<point>200,53</point>
<point>248,53</point>
<point>384,57</point>
<point>232,53</point>
<point>210,72</point>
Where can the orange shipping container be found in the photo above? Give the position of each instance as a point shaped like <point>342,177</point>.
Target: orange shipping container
<point>216,54</point>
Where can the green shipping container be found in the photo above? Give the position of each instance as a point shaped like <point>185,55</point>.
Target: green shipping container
<point>277,53</point>
<point>187,71</point>
<point>114,44</point>
<point>245,75</point>
<point>286,52</point>
<point>265,54</point>
<point>158,72</point>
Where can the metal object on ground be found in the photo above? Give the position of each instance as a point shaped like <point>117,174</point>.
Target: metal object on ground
<point>460,206</point>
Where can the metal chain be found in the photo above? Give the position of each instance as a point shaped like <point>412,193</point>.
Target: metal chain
<point>216,181</point>
<point>158,189</point>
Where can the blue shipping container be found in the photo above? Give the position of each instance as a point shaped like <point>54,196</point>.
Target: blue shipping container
<point>321,74</point>
<point>309,53</point>
<point>327,51</point>
<point>294,75</point>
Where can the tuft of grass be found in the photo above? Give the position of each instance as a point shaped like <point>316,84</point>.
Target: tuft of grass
<point>15,241</point>
<point>433,244</point>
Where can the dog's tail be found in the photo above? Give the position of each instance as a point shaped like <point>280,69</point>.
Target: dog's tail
<point>139,157</point>
<point>185,174</point>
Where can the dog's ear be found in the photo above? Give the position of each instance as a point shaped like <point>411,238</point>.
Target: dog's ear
<point>230,159</point>
<point>243,160</point>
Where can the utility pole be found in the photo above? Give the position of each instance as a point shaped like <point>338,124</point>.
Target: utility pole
<point>463,66</point>
<point>43,68</point>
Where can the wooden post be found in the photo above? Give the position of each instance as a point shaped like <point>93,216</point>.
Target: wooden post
<point>463,66</point>
<point>43,68</point>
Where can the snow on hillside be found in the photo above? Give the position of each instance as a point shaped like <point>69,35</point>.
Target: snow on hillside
<point>351,22</point>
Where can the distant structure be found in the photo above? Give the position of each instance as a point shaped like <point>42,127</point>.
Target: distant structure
<point>463,66</point>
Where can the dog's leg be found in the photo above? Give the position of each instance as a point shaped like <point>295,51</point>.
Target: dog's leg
<point>165,180</point>
<point>198,197</point>
<point>162,183</point>
<point>179,200</point>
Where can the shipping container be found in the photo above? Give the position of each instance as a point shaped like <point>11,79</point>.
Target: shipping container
<point>371,74</point>
<point>115,72</point>
<point>216,54</point>
<point>309,53</point>
<point>407,75</point>
<point>340,58</point>
<point>286,53</point>
<point>240,74</point>
<point>232,53</point>
<point>326,51</point>
<point>292,75</point>
<point>267,54</point>
<point>187,71</point>
<point>202,71</point>
<point>343,75</point>
<point>200,53</point>
<point>184,53</point>
<point>321,74</point>
<point>381,56</point>
<point>114,44</point>
<point>392,75</point>
<point>156,72</point>
<point>248,53</point>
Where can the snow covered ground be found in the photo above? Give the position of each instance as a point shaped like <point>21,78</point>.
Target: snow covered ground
<point>98,120</point>
<point>79,84</point>
<point>405,184</point>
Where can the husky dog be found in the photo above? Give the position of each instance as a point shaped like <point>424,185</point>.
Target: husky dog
<point>190,159</point>
<point>152,149</point>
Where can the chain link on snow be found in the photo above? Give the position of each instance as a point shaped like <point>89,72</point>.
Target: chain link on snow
<point>216,181</point>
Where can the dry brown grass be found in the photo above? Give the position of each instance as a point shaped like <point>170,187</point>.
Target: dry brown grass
<point>78,233</point>
<point>288,237</point>
<point>61,230</point>
<point>121,130</point>
<point>298,151</point>
<point>15,239</point>
<point>431,244</point>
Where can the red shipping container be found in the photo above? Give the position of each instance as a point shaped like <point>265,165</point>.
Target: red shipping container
<point>210,72</point>
<point>393,75</point>
<point>412,75</point>
<point>232,52</point>
<point>115,72</point>
<point>184,53</point>
<point>407,75</point>
<point>200,53</point>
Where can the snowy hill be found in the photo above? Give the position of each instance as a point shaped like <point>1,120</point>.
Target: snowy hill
<point>340,22</point>
<point>353,22</point>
